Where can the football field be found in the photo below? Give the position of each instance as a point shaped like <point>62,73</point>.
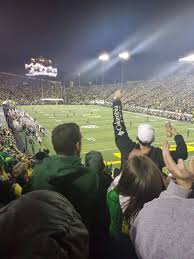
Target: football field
<point>96,127</point>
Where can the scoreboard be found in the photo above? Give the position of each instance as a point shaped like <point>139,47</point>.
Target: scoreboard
<point>40,66</point>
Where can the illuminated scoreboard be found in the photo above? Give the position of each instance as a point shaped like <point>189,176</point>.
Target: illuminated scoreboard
<point>40,67</point>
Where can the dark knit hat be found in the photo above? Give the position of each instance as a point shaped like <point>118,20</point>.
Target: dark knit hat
<point>94,160</point>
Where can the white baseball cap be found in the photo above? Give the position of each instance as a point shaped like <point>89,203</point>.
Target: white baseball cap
<point>145,133</point>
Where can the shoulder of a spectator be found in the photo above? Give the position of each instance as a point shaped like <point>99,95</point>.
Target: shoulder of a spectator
<point>114,183</point>
<point>176,191</point>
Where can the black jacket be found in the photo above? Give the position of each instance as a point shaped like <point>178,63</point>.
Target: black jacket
<point>42,224</point>
<point>99,232</point>
<point>126,145</point>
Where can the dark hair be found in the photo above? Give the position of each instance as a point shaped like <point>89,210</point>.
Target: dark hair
<point>65,137</point>
<point>142,181</point>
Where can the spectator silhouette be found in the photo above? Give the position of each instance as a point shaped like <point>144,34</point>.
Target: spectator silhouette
<point>42,224</point>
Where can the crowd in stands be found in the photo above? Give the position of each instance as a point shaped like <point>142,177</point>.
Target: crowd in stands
<point>171,97</point>
<point>25,90</point>
<point>22,120</point>
<point>61,207</point>
<point>7,141</point>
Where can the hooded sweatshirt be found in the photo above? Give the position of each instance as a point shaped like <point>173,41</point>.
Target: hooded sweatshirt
<point>163,229</point>
<point>69,177</point>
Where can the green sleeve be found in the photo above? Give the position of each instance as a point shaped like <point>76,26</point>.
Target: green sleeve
<point>116,214</point>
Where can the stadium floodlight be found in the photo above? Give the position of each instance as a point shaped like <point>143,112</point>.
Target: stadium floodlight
<point>187,59</point>
<point>104,57</point>
<point>124,55</point>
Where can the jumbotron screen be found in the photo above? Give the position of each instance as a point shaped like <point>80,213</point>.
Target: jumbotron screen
<point>40,67</point>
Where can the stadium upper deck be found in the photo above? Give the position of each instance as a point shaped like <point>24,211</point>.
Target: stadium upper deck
<point>174,94</point>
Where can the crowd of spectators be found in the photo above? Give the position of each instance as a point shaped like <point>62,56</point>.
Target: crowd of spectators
<point>173,94</point>
<point>25,90</point>
<point>7,140</point>
<point>60,207</point>
<point>23,121</point>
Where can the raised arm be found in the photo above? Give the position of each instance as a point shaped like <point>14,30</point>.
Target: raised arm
<point>122,140</point>
<point>181,147</point>
<point>184,176</point>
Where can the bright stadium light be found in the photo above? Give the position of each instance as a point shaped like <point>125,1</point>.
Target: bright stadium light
<point>104,57</point>
<point>189,59</point>
<point>124,55</point>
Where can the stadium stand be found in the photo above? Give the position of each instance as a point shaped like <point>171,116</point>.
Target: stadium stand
<point>2,118</point>
<point>157,97</point>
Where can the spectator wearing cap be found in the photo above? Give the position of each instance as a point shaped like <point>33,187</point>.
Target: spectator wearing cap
<point>145,137</point>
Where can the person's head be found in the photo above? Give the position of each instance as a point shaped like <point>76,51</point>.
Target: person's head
<point>94,159</point>
<point>20,172</point>
<point>145,134</point>
<point>41,155</point>
<point>53,228</point>
<point>66,139</point>
<point>142,181</point>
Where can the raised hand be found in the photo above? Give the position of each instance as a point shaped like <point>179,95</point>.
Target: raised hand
<point>118,94</point>
<point>172,131</point>
<point>182,175</point>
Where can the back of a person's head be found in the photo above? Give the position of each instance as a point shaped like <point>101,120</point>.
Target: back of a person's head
<point>66,139</point>
<point>20,169</point>
<point>94,159</point>
<point>42,224</point>
<point>142,181</point>
<point>41,155</point>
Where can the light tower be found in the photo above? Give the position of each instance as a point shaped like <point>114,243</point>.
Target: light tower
<point>104,57</point>
<point>124,56</point>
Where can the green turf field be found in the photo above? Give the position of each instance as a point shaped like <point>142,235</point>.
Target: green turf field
<point>96,127</point>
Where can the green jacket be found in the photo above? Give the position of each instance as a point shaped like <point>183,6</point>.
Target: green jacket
<point>69,177</point>
<point>117,225</point>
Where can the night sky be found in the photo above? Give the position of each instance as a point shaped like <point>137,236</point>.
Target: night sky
<point>75,32</point>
